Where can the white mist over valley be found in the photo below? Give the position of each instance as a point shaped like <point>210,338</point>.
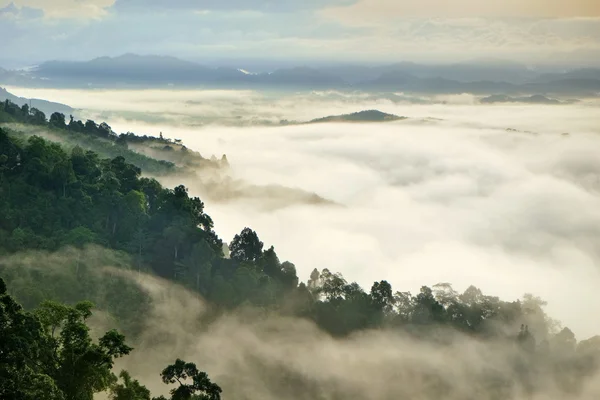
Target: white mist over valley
<point>504,197</point>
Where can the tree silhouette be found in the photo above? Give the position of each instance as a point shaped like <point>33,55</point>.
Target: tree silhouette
<point>246,246</point>
<point>182,373</point>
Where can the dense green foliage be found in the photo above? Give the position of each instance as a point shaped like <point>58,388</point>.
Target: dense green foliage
<point>49,354</point>
<point>91,136</point>
<point>200,386</point>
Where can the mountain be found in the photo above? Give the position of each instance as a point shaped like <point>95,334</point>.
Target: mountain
<point>398,81</point>
<point>131,69</point>
<point>128,68</point>
<point>583,73</point>
<point>361,116</point>
<point>47,107</point>
<point>535,99</point>
<point>472,71</point>
<point>300,76</point>
<point>574,87</point>
<point>480,77</point>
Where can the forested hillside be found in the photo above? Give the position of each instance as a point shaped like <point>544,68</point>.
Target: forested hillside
<point>57,200</point>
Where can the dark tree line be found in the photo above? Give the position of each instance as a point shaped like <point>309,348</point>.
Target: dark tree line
<point>11,112</point>
<point>91,136</point>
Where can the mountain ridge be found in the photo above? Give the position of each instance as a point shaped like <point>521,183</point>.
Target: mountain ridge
<point>166,71</point>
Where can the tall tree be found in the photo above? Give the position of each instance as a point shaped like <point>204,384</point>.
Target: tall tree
<point>79,366</point>
<point>191,382</point>
<point>246,246</point>
<point>57,120</point>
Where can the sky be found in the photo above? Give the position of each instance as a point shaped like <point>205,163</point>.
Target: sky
<point>311,31</point>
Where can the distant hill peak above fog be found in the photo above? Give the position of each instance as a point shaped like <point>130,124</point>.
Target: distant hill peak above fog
<point>361,116</point>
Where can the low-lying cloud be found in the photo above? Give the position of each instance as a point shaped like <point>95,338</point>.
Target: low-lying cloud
<point>449,195</point>
<point>461,200</point>
<point>257,356</point>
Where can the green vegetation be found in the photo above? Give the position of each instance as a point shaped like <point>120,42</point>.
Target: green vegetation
<point>67,213</point>
<point>154,155</point>
<point>48,354</point>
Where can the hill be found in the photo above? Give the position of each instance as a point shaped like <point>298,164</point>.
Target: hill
<point>361,116</point>
<point>47,107</point>
<point>166,159</point>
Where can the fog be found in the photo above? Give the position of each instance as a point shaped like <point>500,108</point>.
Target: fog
<point>448,195</point>
<point>252,354</point>
<point>440,202</point>
<point>255,356</point>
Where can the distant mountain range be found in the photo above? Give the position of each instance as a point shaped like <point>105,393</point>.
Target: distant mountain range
<point>47,107</point>
<point>535,99</point>
<point>479,78</point>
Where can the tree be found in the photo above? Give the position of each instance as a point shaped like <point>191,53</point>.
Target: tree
<point>382,296</point>
<point>63,174</point>
<point>427,309</point>
<point>332,285</point>
<point>79,367</point>
<point>269,263</point>
<point>21,340</point>
<point>246,246</point>
<point>315,280</point>
<point>198,266</point>
<point>105,130</point>
<point>37,117</point>
<point>57,120</point>
<point>130,389</point>
<point>91,127</point>
<point>289,277</point>
<point>182,373</point>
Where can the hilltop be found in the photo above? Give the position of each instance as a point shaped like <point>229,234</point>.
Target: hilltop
<point>45,106</point>
<point>361,116</point>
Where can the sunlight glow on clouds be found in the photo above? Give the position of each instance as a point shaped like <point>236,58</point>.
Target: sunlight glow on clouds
<point>375,11</point>
<point>533,31</point>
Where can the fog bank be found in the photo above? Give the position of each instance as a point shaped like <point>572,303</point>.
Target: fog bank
<point>448,195</point>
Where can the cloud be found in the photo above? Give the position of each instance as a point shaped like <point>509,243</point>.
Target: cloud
<point>247,5</point>
<point>253,354</point>
<point>377,11</point>
<point>64,9</point>
<point>303,31</point>
<point>458,199</point>
<point>13,12</point>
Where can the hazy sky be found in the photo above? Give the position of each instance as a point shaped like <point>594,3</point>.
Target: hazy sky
<point>533,31</point>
